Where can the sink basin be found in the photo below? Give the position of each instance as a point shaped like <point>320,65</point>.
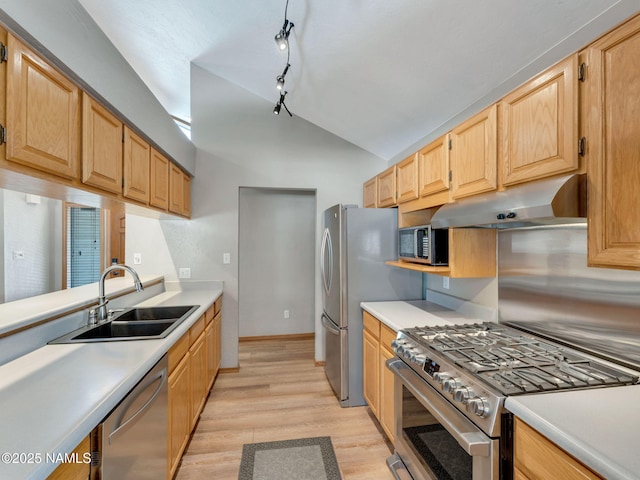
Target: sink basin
<point>133,324</point>
<point>146,314</point>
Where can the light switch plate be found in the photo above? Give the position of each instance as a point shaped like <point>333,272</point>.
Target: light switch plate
<point>226,258</point>
<point>445,283</point>
<point>184,272</point>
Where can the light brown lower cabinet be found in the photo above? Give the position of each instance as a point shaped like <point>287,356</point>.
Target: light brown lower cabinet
<point>536,457</point>
<point>194,361</point>
<point>377,378</point>
<point>76,470</point>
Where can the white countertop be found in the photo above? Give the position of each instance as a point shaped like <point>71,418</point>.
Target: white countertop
<point>415,313</point>
<point>51,398</point>
<point>599,427</point>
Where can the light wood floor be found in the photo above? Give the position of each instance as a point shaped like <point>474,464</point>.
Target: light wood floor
<point>279,394</point>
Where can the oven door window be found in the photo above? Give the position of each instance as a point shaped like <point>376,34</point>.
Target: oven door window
<point>431,443</point>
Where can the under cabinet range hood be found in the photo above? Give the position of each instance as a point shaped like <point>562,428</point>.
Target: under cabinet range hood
<point>559,200</point>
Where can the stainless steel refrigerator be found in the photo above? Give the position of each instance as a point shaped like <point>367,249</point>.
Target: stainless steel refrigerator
<point>355,244</point>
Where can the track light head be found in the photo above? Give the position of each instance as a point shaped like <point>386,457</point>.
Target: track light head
<point>280,78</point>
<point>282,37</point>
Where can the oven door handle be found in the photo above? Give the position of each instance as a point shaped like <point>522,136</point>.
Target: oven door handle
<point>468,436</point>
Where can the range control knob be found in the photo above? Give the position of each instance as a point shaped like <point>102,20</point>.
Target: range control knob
<point>462,394</point>
<point>440,377</point>
<point>418,358</point>
<point>450,384</point>
<point>478,406</point>
<point>407,352</point>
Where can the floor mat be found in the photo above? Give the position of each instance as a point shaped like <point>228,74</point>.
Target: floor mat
<point>299,459</point>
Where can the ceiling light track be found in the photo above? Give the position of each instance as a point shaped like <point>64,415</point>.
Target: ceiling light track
<point>282,41</point>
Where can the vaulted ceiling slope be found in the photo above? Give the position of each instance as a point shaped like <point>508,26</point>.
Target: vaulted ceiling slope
<point>384,75</point>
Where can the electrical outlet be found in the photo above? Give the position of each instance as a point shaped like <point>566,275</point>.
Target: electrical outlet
<point>18,255</point>
<point>226,258</point>
<point>184,272</point>
<point>286,314</point>
<point>137,258</point>
<point>445,283</point>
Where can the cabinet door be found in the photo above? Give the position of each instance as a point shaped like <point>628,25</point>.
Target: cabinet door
<point>198,353</point>
<point>387,187</point>
<point>176,186</point>
<point>370,193</point>
<point>218,336</point>
<point>433,167</point>
<point>474,153</point>
<point>539,126</point>
<point>210,340</point>
<point>407,178</point>
<point>370,371</point>
<point>534,456</point>
<point>101,146</point>
<point>613,148</point>
<point>387,410</point>
<point>74,470</point>
<point>186,195</point>
<point>159,178</point>
<point>179,412</point>
<point>137,156</point>
<point>43,123</point>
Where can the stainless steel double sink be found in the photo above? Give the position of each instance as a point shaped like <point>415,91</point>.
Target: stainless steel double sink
<point>138,323</point>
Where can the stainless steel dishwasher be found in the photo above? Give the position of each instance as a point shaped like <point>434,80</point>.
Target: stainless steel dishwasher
<point>134,435</point>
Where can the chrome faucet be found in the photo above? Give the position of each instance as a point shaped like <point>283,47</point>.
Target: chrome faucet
<point>99,316</point>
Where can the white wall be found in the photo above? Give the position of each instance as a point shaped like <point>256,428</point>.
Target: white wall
<point>276,262</point>
<point>254,148</point>
<point>36,231</point>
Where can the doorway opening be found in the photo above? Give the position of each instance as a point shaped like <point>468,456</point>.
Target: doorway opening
<point>276,262</point>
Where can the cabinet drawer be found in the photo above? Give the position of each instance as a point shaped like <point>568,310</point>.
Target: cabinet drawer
<point>209,314</point>
<point>177,351</point>
<point>387,335</point>
<point>197,329</point>
<point>218,305</point>
<point>371,323</point>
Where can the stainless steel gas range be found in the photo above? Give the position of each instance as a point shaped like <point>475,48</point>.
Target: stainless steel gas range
<point>450,386</point>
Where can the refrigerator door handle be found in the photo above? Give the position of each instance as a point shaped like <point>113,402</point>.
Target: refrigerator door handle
<point>327,247</point>
<point>328,324</point>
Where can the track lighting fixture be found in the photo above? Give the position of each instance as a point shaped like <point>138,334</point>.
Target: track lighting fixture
<point>280,78</point>
<point>280,104</point>
<point>282,40</point>
<point>282,37</point>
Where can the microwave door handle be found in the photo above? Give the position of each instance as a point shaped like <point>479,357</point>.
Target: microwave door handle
<point>415,243</point>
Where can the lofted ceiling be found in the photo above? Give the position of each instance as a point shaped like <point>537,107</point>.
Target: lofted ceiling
<point>382,75</point>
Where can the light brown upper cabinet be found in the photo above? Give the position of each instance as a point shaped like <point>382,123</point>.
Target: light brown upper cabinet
<point>433,163</point>
<point>407,178</point>
<point>186,195</point>
<point>43,121</point>
<point>137,156</point>
<point>387,187</point>
<point>474,154</point>
<point>159,196</point>
<point>612,128</point>
<point>101,146</point>
<point>539,126</point>
<point>370,193</point>
<point>176,189</point>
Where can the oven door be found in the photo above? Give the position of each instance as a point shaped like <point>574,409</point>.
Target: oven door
<point>433,439</point>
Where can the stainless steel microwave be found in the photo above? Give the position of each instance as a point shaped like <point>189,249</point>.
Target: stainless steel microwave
<point>424,245</point>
